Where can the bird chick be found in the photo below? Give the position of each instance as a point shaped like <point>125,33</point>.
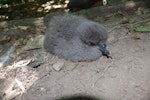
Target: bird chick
<point>75,38</point>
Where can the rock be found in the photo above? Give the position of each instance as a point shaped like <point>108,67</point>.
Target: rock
<point>80,4</point>
<point>136,36</point>
<point>34,43</point>
<point>58,66</point>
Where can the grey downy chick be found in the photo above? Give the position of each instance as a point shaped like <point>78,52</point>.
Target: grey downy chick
<point>75,38</point>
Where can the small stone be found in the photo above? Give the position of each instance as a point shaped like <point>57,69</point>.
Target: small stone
<point>34,43</point>
<point>136,36</point>
<point>42,89</point>
<point>58,66</point>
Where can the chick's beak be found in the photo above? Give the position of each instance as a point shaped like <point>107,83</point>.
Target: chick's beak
<point>104,50</point>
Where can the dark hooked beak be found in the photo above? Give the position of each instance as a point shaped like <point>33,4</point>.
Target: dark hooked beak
<point>104,50</point>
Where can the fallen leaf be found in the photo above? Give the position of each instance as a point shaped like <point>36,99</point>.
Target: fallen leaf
<point>20,84</point>
<point>23,27</point>
<point>9,93</point>
<point>124,20</point>
<point>22,63</point>
<point>35,63</point>
<point>142,28</point>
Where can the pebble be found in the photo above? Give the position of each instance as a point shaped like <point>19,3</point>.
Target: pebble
<point>58,65</point>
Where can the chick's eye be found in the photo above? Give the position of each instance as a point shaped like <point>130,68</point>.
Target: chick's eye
<point>92,44</point>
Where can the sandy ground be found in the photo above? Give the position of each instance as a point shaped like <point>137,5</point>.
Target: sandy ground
<point>125,77</point>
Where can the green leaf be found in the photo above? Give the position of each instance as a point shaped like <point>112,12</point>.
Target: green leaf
<point>142,28</point>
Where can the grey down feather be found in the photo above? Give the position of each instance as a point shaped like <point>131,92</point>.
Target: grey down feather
<point>74,38</point>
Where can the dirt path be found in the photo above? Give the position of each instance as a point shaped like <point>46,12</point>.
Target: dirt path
<point>125,77</point>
